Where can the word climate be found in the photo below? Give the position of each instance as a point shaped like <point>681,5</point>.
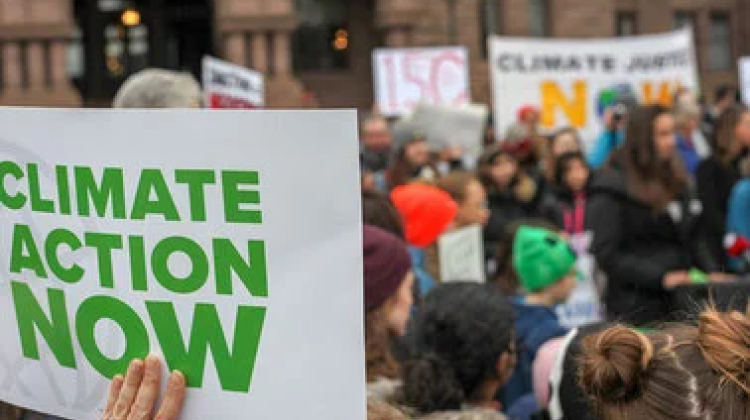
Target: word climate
<point>130,266</point>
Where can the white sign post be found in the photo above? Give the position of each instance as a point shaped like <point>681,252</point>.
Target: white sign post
<point>184,235</point>
<point>461,255</point>
<point>407,77</point>
<point>745,79</point>
<point>575,81</point>
<point>230,86</point>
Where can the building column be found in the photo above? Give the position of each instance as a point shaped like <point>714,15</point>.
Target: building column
<point>36,66</point>
<point>282,54</point>
<point>260,52</point>
<point>12,80</point>
<point>397,18</point>
<point>235,48</point>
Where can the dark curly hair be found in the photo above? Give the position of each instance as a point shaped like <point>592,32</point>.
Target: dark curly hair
<point>458,336</point>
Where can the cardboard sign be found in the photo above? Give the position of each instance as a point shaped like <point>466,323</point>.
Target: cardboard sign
<point>185,236</point>
<point>230,86</point>
<point>461,255</point>
<point>584,305</point>
<point>745,79</point>
<point>407,77</point>
<point>575,81</point>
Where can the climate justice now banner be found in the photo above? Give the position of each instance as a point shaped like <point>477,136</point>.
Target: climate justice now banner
<point>575,81</point>
<point>183,234</point>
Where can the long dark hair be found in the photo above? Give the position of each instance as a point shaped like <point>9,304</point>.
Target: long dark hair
<point>458,336</point>
<point>650,179</point>
<point>402,172</point>
<point>724,143</point>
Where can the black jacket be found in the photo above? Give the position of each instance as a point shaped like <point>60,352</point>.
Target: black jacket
<point>635,246</point>
<point>562,208</point>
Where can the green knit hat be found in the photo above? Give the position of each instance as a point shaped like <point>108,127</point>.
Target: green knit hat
<point>541,258</point>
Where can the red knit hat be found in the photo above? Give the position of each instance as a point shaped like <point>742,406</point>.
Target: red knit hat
<point>525,110</point>
<point>386,263</point>
<point>427,212</point>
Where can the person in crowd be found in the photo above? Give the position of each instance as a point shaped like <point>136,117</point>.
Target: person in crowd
<point>615,122</point>
<point>136,395</point>
<point>377,141</point>
<point>571,185</point>
<point>565,140</point>
<point>388,301</point>
<point>725,97</point>
<point>381,410</point>
<point>686,98</point>
<point>512,193</point>
<point>379,211</point>
<point>529,150</point>
<point>546,267</point>
<point>687,119</point>
<point>427,212</point>
<point>738,221</point>
<point>647,224</point>
<point>463,352</point>
<point>466,190</point>
<point>718,174</point>
<point>412,162</point>
<point>504,277</point>
<point>157,88</point>
<point>684,372</point>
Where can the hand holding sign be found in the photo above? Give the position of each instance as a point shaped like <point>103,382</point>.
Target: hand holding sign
<point>134,397</point>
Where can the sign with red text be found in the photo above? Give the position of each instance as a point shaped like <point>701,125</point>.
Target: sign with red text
<point>575,81</point>
<point>229,86</point>
<point>404,78</point>
<point>199,252</point>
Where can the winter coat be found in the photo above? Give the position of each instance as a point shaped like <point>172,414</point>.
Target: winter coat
<point>636,246</point>
<point>568,209</point>
<point>535,325</point>
<point>689,154</point>
<point>738,221</point>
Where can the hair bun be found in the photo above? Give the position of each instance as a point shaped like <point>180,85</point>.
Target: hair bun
<point>614,363</point>
<point>430,385</point>
<point>724,339</point>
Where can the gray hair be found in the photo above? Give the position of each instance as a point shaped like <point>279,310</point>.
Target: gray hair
<point>156,88</point>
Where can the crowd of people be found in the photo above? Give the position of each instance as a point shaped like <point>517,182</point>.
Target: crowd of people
<point>659,190</point>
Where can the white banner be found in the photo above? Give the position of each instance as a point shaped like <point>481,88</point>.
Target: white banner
<point>584,305</point>
<point>231,86</point>
<point>404,78</point>
<point>186,234</point>
<point>575,81</point>
<point>745,79</point>
<point>461,255</point>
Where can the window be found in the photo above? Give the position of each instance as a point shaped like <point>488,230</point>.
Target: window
<point>626,24</point>
<point>488,14</point>
<point>720,43</point>
<point>539,13</point>
<point>321,41</point>
<point>683,20</point>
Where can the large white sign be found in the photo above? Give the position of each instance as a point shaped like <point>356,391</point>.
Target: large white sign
<point>190,235</point>
<point>231,86</point>
<point>407,77</point>
<point>584,306</point>
<point>745,79</point>
<point>461,255</point>
<point>575,81</point>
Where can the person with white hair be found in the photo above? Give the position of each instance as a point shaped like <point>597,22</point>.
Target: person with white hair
<point>688,118</point>
<point>157,88</point>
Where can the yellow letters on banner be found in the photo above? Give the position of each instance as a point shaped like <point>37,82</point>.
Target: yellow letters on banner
<point>663,95</point>
<point>574,109</point>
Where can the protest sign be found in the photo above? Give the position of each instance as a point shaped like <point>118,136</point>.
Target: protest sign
<point>575,81</point>
<point>584,305</point>
<point>231,86</point>
<point>185,235</point>
<point>461,255</point>
<point>406,77</point>
<point>745,79</point>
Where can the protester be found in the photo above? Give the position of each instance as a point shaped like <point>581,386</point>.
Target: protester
<point>379,211</point>
<point>512,194</point>
<point>565,140</point>
<point>615,121</point>
<point>375,150</point>
<point>572,184</point>
<point>687,118</point>
<point>135,396</point>
<point>725,97</point>
<point>546,267</point>
<point>412,163</point>
<point>466,190</point>
<point>427,213</point>
<point>738,221</point>
<point>717,175</point>
<point>686,98</point>
<point>463,352</point>
<point>388,300</point>
<point>684,372</point>
<point>157,88</point>
<point>646,222</point>
<point>527,149</point>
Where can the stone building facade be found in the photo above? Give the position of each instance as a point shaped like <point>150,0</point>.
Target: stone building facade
<point>72,52</point>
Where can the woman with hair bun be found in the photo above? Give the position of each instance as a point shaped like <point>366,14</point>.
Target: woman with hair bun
<point>685,372</point>
<point>463,352</point>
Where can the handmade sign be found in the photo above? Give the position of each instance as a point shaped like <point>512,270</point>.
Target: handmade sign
<point>231,86</point>
<point>461,255</point>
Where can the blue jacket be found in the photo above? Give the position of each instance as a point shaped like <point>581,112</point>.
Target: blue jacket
<point>425,282</point>
<point>604,146</point>
<point>535,326</point>
<point>738,220</point>
<point>689,155</point>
